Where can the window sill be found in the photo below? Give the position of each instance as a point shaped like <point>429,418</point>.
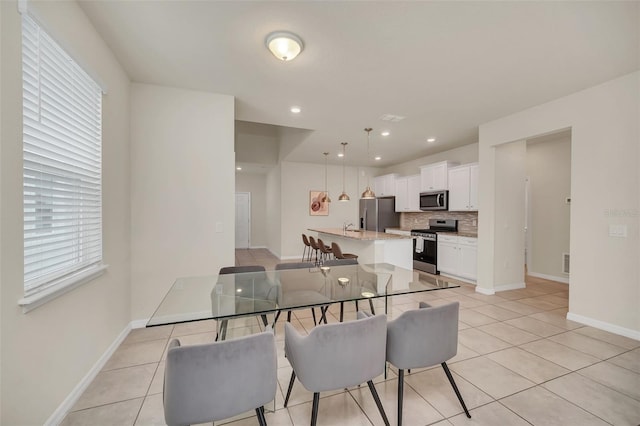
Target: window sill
<point>30,303</point>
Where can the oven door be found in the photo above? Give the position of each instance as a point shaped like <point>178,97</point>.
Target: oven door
<point>429,252</point>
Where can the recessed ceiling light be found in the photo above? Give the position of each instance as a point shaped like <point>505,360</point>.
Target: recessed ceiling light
<point>238,168</point>
<point>295,109</point>
<point>431,140</point>
<point>385,133</point>
<point>340,154</point>
<point>378,158</point>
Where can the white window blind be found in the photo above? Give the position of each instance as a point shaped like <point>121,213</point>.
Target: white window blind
<point>62,170</point>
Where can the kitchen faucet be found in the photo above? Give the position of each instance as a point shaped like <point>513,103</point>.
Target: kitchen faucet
<point>345,227</point>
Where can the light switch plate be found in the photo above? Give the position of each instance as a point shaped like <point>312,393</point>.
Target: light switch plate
<point>618,231</point>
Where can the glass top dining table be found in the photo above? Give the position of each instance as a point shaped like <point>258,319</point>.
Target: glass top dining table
<point>223,297</point>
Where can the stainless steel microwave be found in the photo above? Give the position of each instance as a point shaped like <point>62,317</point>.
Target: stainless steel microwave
<point>434,200</point>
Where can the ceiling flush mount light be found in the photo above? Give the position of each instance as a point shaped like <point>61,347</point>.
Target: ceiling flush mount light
<point>343,196</point>
<point>325,197</point>
<point>295,110</point>
<point>284,45</point>
<point>431,140</point>
<point>368,193</point>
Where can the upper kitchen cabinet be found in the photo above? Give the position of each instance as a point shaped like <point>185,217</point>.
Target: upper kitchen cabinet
<point>385,185</point>
<point>463,188</point>
<point>408,194</point>
<point>434,177</point>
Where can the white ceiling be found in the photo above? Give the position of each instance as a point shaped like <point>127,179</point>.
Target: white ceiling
<point>446,66</point>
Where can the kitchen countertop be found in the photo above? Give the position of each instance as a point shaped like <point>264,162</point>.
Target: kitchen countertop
<point>360,235</point>
<point>468,234</point>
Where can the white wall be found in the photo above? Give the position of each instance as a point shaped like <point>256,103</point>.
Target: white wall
<point>508,257</point>
<point>47,352</point>
<point>182,189</point>
<point>463,155</point>
<point>256,184</point>
<point>549,172</point>
<point>256,143</point>
<point>604,120</point>
<point>274,211</point>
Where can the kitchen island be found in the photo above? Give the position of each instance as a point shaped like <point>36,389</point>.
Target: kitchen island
<point>371,246</point>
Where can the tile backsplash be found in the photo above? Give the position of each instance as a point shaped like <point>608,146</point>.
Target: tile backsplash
<point>467,221</point>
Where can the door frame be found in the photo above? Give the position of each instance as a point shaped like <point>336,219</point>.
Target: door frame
<point>248,194</point>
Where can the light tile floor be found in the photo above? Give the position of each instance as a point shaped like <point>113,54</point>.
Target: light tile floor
<point>519,362</point>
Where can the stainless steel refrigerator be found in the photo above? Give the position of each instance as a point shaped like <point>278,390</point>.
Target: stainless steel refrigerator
<point>379,214</point>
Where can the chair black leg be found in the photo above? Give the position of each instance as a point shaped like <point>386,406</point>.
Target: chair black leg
<point>372,388</point>
<point>289,316</point>
<point>260,414</point>
<point>314,408</point>
<point>264,320</point>
<point>400,394</point>
<point>275,319</point>
<point>341,311</point>
<point>373,311</point>
<point>455,388</point>
<point>313,312</point>
<point>293,378</point>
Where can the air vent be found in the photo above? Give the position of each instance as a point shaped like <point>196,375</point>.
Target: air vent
<point>565,262</point>
<point>392,118</point>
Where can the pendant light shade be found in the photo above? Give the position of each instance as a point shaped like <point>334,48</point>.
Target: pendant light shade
<point>368,194</point>
<point>325,197</point>
<point>343,196</point>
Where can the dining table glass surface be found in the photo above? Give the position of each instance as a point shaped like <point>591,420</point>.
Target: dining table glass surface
<point>231,296</point>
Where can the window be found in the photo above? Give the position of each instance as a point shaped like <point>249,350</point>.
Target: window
<point>62,170</point>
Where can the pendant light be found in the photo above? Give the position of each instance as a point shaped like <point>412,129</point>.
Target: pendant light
<point>325,197</point>
<point>368,194</point>
<point>343,196</point>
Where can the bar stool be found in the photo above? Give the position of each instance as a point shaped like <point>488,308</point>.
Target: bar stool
<point>335,248</point>
<point>314,247</point>
<point>307,245</point>
<point>325,250</point>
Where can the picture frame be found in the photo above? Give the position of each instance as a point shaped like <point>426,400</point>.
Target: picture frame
<point>318,206</point>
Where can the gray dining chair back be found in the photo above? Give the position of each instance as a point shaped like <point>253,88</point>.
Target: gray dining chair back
<point>423,338</point>
<point>299,265</point>
<point>294,265</point>
<point>215,381</point>
<point>337,356</point>
<point>340,262</point>
<point>256,284</point>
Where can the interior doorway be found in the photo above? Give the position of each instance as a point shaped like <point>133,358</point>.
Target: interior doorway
<point>243,220</point>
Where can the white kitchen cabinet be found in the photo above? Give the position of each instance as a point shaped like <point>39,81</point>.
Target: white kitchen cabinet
<point>408,193</point>
<point>385,185</point>
<point>458,256</point>
<point>434,177</point>
<point>463,188</point>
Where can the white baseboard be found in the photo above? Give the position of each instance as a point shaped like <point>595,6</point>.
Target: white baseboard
<point>68,403</point>
<point>611,328</point>
<point>258,247</point>
<point>564,280</point>
<point>290,257</point>
<point>513,286</point>
<point>485,291</point>
<point>140,323</point>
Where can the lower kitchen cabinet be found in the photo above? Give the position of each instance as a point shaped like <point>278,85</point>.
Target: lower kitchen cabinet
<point>458,256</point>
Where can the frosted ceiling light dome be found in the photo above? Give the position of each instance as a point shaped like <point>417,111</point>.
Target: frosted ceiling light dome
<point>284,45</point>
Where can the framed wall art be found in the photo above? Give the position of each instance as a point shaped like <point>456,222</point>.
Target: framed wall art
<point>318,206</point>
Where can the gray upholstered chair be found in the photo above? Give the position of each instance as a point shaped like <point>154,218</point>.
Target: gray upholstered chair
<point>306,295</point>
<point>345,262</point>
<point>336,356</point>
<point>423,338</point>
<point>215,381</point>
<point>257,284</point>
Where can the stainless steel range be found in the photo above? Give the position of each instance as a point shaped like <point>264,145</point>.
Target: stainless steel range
<point>425,244</point>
